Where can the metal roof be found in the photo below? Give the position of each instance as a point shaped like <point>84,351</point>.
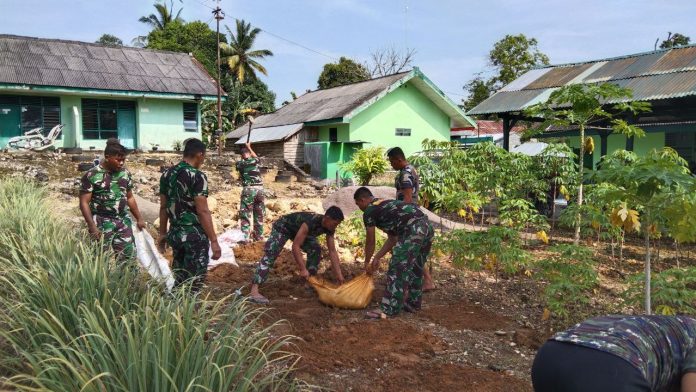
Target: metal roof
<point>73,64</point>
<point>530,148</point>
<point>660,74</point>
<point>339,104</point>
<point>267,134</point>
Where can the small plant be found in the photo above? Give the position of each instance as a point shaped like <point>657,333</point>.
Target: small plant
<point>673,291</point>
<point>367,163</point>
<point>571,277</point>
<point>351,235</point>
<point>177,145</point>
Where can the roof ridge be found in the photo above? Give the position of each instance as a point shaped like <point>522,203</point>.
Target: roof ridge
<point>626,56</point>
<point>68,41</point>
<point>362,81</point>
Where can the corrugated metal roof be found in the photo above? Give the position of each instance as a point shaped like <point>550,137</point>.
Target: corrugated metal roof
<point>660,74</point>
<point>49,62</point>
<point>268,134</point>
<point>531,149</point>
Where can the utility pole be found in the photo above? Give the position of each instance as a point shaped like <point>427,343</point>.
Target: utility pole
<point>219,15</point>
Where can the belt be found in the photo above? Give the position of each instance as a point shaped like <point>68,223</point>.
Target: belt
<point>259,186</point>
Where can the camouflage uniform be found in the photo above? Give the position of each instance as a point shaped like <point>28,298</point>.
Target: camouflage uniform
<point>252,200</point>
<point>407,178</point>
<point>662,348</point>
<point>285,229</point>
<point>415,237</point>
<point>190,245</point>
<point>110,208</point>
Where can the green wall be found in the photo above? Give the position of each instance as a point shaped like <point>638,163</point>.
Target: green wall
<point>405,107</point>
<point>641,146</point>
<point>161,121</point>
<point>343,132</point>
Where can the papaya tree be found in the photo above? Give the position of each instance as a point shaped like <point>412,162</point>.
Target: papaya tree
<point>586,105</point>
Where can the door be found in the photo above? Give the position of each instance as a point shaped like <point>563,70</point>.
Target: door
<point>126,127</point>
<point>10,123</point>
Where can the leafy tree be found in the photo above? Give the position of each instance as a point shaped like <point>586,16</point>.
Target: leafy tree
<point>165,15</point>
<point>510,57</point>
<point>675,40</point>
<point>660,188</point>
<point>580,105</point>
<point>194,37</point>
<point>252,94</point>
<point>108,39</point>
<point>479,90</point>
<point>367,163</point>
<point>514,55</point>
<point>346,71</point>
<point>239,53</point>
<point>209,123</point>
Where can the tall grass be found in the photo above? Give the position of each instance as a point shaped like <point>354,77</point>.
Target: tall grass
<point>73,320</point>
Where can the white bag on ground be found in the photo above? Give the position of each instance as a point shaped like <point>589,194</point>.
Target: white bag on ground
<point>227,240</point>
<point>151,259</point>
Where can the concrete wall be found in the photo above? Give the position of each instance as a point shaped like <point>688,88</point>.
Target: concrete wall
<point>405,107</point>
<point>641,146</point>
<point>161,122</point>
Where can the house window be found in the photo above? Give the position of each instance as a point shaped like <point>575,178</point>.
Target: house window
<point>190,117</point>
<point>311,135</point>
<point>100,117</point>
<point>35,112</point>
<point>403,131</point>
<point>333,134</point>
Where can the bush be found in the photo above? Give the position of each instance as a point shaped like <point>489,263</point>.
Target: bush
<point>673,291</point>
<point>367,163</point>
<point>71,319</point>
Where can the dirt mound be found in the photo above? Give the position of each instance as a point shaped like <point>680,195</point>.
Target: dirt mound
<point>250,252</point>
<point>463,315</point>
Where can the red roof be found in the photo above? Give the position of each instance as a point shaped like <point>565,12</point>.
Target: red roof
<point>488,127</point>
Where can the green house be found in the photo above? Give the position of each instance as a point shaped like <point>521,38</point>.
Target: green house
<point>323,128</point>
<point>143,97</point>
<point>665,78</point>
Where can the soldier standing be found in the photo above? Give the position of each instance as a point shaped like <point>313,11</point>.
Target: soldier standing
<point>105,199</point>
<point>184,204</point>
<point>410,235</point>
<point>252,200</point>
<point>302,228</point>
<point>620,353</point>
<point>407,185</point>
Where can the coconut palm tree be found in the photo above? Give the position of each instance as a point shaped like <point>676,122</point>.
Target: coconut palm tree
<point>239,54</point>
<point>164,17</point>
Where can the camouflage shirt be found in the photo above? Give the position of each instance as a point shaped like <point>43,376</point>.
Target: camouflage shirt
<point>249,171</point>
<point>391,216</point>
<point>180,184</point>
<point>407,178</point>
<point>661,347</point>
<point>290,224</point>
<point>109,191</point>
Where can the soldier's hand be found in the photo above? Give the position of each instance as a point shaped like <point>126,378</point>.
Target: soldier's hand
<point>304,273</point>
<point>161,243</point>
<point>95,233</point>
<point>141,224</point>
<point>217,252</point>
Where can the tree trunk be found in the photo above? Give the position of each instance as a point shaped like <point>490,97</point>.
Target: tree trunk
<point>648,309</point>
<point>581,159</point>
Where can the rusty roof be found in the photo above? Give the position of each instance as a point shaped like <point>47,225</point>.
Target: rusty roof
<point>660,74</point>
<point>73,64</point>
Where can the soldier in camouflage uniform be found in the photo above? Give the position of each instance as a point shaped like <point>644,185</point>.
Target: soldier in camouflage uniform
<point>105,199</point>
<point>252,200</point>
<point>184,205</point>
<point>302,228</point>
<point>410,235</point>
<point>620,353</point>
<point>407,184</point>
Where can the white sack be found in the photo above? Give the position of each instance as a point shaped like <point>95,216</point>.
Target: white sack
<point>227,240</point>
<point>150,258</point>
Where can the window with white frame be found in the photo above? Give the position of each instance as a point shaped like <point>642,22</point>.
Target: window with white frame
<point>403,131</point>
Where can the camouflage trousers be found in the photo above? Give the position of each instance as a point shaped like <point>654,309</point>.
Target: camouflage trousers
<point>191,255</point>
<point>275,244</point>
<point>405,272</point>
<point>252,203</point>
<point>117,235</point>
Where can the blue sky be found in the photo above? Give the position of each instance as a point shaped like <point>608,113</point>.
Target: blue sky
<point>452,38</point>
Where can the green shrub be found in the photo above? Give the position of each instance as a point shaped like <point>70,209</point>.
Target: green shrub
<point>366,163</point>
<point>673,290</point>
<point>71,319</point>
